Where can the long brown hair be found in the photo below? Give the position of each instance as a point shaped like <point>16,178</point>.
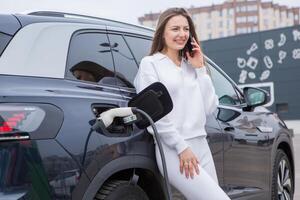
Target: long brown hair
<point>158,41</point>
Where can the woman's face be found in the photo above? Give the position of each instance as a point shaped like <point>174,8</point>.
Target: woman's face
<point>176,33</point>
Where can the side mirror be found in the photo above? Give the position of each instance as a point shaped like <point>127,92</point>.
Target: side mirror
<point>155,100</point>
<point>255,96</point>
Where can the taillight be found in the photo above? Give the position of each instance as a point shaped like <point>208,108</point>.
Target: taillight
<point>16,122</point>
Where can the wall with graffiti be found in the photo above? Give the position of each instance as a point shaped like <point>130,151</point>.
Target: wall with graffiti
<point>268,59</point>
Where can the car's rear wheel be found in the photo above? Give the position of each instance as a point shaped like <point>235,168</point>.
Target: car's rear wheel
<point>282,177</point>
<point>119,189</point>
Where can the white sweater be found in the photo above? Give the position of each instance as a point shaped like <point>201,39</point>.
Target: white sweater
<point>191,91</point>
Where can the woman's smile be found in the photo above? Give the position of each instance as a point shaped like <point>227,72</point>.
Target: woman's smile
<point>180,41</point>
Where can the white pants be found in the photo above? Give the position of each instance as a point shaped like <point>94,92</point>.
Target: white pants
<point>203,186</point>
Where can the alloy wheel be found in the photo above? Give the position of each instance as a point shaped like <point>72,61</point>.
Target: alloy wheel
<point>284,181</point>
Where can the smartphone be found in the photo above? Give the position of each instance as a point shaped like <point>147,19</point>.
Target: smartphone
<point>189,47</point>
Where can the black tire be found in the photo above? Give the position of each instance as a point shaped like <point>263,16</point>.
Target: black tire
<point>117,189</point>
<point>282,177</point>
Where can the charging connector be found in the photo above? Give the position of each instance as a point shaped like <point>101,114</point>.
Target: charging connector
<point>130,119</point>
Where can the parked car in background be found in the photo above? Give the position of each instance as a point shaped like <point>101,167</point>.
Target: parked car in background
<point>59,71</point>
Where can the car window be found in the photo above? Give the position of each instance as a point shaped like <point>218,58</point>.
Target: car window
<point>224,89</point>
<point>90,59</point>
<point>140,47</point>
<point>126,67</point>
<point>4,40</point>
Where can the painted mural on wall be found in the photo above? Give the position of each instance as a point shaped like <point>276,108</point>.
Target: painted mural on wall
<point>248,63</point>
<point>269,60</point>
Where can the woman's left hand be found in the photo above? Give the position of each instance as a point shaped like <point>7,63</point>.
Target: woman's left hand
<point>197,60</point>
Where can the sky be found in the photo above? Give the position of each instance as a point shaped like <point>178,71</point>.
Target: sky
<point>123,10</point>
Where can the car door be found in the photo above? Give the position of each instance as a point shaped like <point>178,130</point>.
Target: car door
<point>91,88</point>
<point>246,142</point>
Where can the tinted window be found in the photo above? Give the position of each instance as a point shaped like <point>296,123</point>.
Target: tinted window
<point>90,59</point>
<point>224,89</point>
<point>126,67</point>
<point>4,40</point>
<point>139,46</point>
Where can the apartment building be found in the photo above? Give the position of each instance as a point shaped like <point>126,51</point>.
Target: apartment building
<point>235,17</point>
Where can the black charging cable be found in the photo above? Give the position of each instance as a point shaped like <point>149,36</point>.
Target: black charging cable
<point>129,117</point>
<point>85,146</point>
<point>166,178</point>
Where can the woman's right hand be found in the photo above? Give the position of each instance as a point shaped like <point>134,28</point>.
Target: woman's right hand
<point>188,163</point>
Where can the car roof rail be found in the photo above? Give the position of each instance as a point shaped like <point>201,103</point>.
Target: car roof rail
<point>80,16</point>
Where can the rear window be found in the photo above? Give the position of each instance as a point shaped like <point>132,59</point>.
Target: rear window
<point>4,40</point>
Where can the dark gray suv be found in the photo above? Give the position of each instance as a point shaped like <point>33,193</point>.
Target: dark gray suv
<point>59,71</point>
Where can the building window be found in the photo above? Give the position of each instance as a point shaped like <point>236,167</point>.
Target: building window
<point>193,17</point>
<point>254,29</point>
<point>221,34</point>
<point>283,14</point>
<point>220,24</point>
<point>209,36</point>
<point>208,25</point>
<point>241,19</point>
<point>252,8</point>
<point>242,8</point>
<point>252,19</point>
<point>209,15</point>
<point>153,24</point>
<point>241,30</point>
<point>230,12</point>
<point>228,23</point>
<point>266,22</point>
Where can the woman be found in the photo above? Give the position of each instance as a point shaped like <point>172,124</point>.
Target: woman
<point>182,131</point>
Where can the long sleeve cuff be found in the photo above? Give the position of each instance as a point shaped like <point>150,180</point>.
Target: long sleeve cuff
<point>181,146</point>
<point>201,70</point>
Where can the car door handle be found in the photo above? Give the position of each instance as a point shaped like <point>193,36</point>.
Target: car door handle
<point>229,128</point>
